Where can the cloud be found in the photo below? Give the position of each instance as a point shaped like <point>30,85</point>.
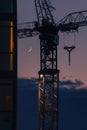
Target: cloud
<point>67,88</point>
<point>72,105</point>
<point>69,84</point>
<point>63,84</point>
<point>24,83</point>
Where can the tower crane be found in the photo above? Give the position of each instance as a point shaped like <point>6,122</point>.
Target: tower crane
<point>48,30</point>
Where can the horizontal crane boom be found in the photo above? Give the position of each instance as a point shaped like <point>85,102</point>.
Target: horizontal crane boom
<point>27,30</point>
<point>73,21</point>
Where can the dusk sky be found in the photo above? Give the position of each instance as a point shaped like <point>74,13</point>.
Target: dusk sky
<point>73,79</point>
<point>28,63</point>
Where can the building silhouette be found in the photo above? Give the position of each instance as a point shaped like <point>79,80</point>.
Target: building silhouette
<point>8,64</point>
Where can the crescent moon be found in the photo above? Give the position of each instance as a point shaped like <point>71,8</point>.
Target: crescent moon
<point>29,50</point>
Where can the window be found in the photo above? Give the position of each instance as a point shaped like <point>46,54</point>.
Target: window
<point>6,104</point>
<point>6,6</point>
<point>6,46</point>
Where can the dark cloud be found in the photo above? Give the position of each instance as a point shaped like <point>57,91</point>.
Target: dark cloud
<point>24,83</point>
<point>69,84</point>
<point>27,104</point>
<point>72,105</point>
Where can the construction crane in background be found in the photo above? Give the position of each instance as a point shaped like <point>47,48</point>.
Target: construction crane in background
<point>48,30</point>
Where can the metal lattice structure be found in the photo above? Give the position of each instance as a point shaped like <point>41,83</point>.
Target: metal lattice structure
<point>48,86</point>
<point>48,74</point>
<point>73,21</point>
<point>44,10</point>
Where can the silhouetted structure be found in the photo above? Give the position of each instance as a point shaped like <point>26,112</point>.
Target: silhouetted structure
<point>8,64</point>
<point>69,49</point>
<point>48,31</point>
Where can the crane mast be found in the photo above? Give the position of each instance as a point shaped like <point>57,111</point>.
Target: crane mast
<point>44,10</point>
<point>48,74</point>
<point>48,82</point>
